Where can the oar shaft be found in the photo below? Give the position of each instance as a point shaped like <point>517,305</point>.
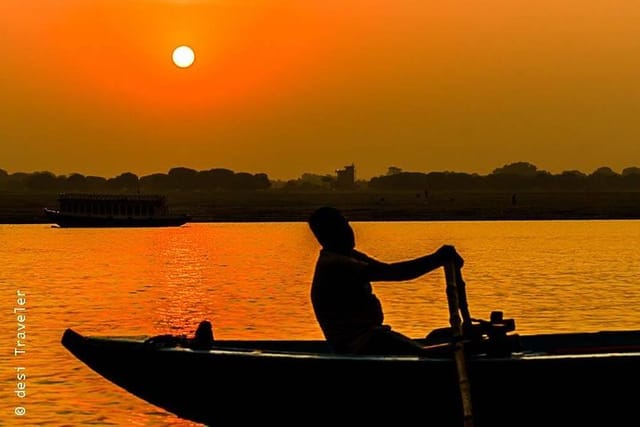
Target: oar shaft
<point>450,271</point>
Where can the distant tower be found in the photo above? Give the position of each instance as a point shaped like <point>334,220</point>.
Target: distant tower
<point>346,177</point>
<point>394,170</point>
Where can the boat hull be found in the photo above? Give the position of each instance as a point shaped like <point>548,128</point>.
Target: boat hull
<point>230,385</point>
<point>76,221</point>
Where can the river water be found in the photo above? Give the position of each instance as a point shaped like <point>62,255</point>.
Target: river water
<point>251,280</point>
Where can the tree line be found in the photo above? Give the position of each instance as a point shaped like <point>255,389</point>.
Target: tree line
<point>519,176</point>
<point>176,179</point>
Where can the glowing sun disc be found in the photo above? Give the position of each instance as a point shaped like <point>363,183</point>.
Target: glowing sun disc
<point>183,56</point>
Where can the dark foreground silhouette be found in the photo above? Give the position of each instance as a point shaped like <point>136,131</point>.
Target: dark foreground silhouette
<point>551,379</point>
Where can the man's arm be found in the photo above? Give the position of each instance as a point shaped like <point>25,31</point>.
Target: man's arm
<point>412,269</point>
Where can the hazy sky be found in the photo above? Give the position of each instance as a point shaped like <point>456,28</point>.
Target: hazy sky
<point>287,87</point>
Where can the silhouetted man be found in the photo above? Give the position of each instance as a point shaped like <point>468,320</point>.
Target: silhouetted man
<point>345,306</point>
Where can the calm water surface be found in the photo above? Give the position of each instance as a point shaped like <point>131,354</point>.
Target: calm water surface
<point>252,281</point>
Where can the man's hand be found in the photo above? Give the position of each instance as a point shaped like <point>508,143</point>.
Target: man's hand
<point>448,253</point>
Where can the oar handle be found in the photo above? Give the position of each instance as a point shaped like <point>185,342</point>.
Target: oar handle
<point>463,305</point>
<point>453,299</point>
<point>451,276</point>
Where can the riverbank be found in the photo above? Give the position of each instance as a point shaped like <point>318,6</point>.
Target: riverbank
<point>277,205</point>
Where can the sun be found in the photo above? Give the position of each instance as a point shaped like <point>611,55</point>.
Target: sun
<point>183,56</point>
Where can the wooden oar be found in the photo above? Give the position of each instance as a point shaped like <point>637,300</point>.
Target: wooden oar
<point>450,272</point>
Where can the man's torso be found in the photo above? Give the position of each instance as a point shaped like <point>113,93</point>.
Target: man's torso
<point>342,298</point>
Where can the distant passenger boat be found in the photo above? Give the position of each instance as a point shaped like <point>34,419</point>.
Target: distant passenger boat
<point>114,210</point>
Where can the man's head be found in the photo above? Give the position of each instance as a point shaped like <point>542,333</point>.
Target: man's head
<point>332,229</point>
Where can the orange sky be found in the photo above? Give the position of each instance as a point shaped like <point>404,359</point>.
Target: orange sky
<point>287,87</point>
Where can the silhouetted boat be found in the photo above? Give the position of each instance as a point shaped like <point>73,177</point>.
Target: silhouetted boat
<point>566,379</point>
<point>114,210</point>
